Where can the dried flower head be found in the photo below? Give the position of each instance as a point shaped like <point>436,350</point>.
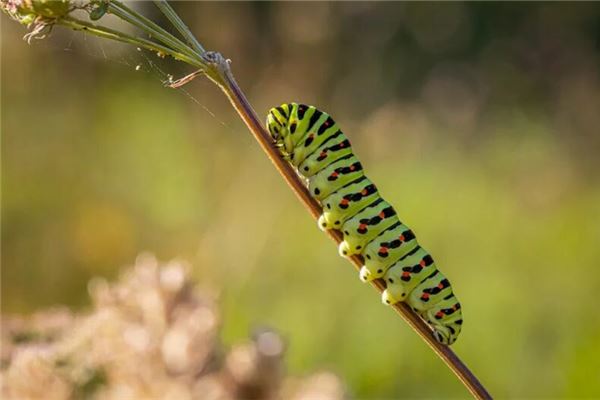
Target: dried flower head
<point>38,15</point>
<point>27,11</point>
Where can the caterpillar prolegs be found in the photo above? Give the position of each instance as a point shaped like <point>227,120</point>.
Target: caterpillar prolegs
<point>314,144</point>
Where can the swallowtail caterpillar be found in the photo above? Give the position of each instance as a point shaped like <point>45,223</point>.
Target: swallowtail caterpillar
<point>313,143</point>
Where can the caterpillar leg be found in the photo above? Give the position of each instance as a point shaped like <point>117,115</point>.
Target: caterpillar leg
<point>393,295</point>
<point>344,250</point>
<point>365,274</point>
<point>322,223</point>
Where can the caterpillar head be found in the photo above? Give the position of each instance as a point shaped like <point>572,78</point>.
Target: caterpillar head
<point>275,128</point>
<point>277,122</point>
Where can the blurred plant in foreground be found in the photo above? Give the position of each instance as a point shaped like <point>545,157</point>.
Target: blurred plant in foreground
<point>152,334</point>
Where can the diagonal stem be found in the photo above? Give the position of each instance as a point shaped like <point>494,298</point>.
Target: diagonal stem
<point>220,72</point>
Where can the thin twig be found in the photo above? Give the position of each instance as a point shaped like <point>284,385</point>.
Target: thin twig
<point>108,33</point>
<point>166,9</point>
<point>223,77</point>
<point>131,16</point>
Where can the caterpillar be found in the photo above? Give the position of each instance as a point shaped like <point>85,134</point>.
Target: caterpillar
<point>312,142</point>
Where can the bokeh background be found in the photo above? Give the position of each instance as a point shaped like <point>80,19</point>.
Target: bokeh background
<point>479,121</point>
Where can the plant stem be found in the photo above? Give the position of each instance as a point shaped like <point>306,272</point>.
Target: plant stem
<point>108,33</point>
<point>220,72</point>
<point>151,28</point>
<point>166,9</point>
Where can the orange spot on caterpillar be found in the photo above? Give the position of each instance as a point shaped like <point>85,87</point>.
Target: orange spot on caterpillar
<point>364,192</point>
<point>382,215</point>
<point>422,263</point>
<point>344,202</point>
<point>401,238</point>
<point>383,250</point>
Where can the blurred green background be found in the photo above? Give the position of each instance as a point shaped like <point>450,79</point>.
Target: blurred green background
<point>479,121</point>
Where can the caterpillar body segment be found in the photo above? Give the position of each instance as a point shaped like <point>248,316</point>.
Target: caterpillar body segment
<point>314,144</point>
<point>430,292</point>
<point>335,147</point>
<point>334,177</point>
<point>347,202</point>
<point>366,226</point>
<point>385,250</point>
<point>312,141</point>
<point>415,268</point>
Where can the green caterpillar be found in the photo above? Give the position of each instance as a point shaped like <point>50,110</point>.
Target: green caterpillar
<point>314,144</point>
